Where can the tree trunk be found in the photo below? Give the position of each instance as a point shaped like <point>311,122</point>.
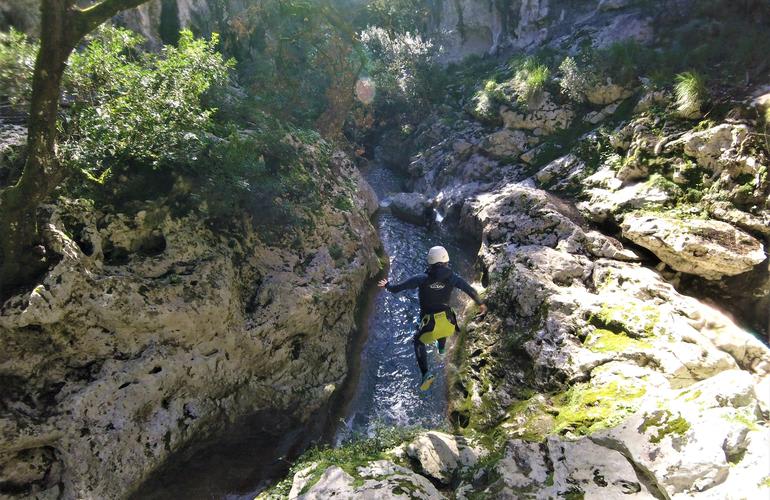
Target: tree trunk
<point>63,25</point>
<point>18,203</point>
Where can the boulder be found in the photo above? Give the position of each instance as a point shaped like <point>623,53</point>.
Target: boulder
<point>411,207</point>
<point>707,248</point>
<point>726,212</point>
<point>441,455</point>
<point>152,328</point>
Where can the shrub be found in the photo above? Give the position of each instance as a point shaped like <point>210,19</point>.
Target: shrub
<point>690,91</point>
<point>139,109</point>
<point>17,62</point>
<point>574,82</point>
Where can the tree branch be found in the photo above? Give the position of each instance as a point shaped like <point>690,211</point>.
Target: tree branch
<point>89,18</point>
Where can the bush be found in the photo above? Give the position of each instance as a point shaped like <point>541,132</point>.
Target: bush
<point>690,91</point>
<point>139,109</point>
<point>17,63</point>
<point>574,82</point>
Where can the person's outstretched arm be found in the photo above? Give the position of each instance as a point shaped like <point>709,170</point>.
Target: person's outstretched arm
<point>413,282</point>
<point>463,285</point>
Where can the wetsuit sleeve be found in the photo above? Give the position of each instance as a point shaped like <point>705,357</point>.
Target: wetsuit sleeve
<point>467,288</point>
<point>413,282</point>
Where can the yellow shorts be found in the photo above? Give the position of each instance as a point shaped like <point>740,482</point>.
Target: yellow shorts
<point>437,326</point>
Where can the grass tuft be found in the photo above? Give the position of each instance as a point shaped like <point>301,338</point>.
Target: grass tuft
<point>530,79</point>
<point>690,90</point>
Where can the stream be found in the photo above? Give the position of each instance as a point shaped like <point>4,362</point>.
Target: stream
<point>387,392</point>
<point>381,389</point>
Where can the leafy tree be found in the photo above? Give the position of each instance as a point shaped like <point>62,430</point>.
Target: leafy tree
<point>63,26</point>
<point>144,109</point>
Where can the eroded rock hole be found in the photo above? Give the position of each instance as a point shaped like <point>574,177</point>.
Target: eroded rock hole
<point>115,255</point>
<point>296,348</point>
<point>152,245</point>
<point>460,418</point>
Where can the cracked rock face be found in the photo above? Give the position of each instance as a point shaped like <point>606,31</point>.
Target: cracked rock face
<point>153,331</point>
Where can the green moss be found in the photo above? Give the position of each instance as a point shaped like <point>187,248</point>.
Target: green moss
<point>343,202</point>
<point>665,424</point>
<point>765,483</point>
<point>635,318</point>
<point>580,410</point>
<point>691,397</point>
<point>665,185</point>
<point>348,457</point>
<point>601,340</point>
<point>585,408</point>
<point>743,417</point>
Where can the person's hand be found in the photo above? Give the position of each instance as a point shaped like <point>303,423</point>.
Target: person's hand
<point>482,309</point>
<point>382,283</point>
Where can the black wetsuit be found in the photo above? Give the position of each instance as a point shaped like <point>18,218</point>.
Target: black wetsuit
<point>435,289</point>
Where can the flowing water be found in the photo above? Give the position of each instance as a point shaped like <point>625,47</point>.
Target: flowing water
<point>387,391</point>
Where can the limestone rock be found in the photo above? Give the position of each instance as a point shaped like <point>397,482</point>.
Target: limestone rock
<point>596,117</point>
<point>606,93</point>
<point>441,455</point>
<point>505,144</point>
<point>544,119</point>
<point>605,203</point>
<point>707,248</point>
<point>153,330</point>
<point>411,207</point>
<point>726,212</point>
<point>373,481</point>
<point>718,148</point>
<point>562,174</point>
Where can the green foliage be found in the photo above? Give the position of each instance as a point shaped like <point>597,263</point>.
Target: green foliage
<point>529,79</point>
<point>270,172</point>
<point>396,16</point>
<point>690,91</point>
<point>290,53</point>
<point>17,62</point>
<point>405,71</point>
<point>141,109</point>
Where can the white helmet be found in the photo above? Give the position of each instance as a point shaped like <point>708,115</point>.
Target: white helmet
<point>437,254</point>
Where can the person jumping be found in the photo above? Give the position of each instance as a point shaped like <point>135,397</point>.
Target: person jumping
<point>438,320</point>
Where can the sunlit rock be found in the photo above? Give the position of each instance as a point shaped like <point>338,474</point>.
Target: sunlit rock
<point>708,248</point>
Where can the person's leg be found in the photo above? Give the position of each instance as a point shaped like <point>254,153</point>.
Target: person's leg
<point>442,345</point>
<point>421,353</point>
